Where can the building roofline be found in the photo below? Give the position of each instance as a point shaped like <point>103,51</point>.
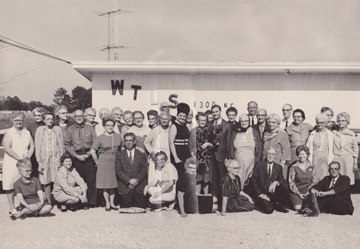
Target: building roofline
<point>87,68</point>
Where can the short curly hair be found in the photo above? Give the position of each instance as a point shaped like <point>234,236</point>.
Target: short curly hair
<point>302,148</point>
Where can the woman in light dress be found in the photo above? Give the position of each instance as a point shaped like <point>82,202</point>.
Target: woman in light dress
<point>49,148</point>
<point>18,144</point>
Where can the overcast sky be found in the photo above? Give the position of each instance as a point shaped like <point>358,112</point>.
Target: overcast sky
<point>169,30</point>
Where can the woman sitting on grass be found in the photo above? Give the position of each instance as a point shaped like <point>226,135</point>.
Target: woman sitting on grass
<point>29,192</point>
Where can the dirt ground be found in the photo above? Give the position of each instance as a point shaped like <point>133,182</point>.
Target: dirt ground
<point>96,228</point>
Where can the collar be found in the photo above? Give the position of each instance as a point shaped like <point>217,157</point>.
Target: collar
<point>336,178</point>
<point>219,121</point>
<point>79,125</point>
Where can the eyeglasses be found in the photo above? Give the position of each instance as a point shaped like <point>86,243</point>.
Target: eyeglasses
<point>63,113</point>
<point>297,117</point>
<point>79,116</point>
<point>286,110</point>
<point>18,120</point>
<point>332,169</point>
<point>90,115</point>
<point>234,168</point>
<point>160,159</point>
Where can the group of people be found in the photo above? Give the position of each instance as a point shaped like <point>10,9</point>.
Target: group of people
<point>219,166</point>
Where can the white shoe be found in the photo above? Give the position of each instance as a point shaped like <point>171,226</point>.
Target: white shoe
<point>13,211</point>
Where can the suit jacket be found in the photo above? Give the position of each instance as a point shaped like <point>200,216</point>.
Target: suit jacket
<point>260,181</point>
<point>221,150</point>
<point>125,171</point>
<point>267,128</point>
<point>342,188</point>
<point>255,120</point>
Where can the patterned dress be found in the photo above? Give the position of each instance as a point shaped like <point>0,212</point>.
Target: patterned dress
<point>49,146</point>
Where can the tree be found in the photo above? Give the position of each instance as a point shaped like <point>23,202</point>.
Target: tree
<point>81,98</point>
<point>14,103</point>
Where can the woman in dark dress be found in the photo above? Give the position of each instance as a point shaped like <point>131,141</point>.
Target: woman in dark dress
<point>301,177</point>
<point>179,138</point>
<point>232,197</point>
<point>103,151</point>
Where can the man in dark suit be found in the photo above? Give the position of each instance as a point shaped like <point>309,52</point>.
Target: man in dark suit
<point>262,125</point>
<point>252,108</point>
<point>333,192</point>
<point>219,170</point>
<point>131,171</point>
<point>268,184</point>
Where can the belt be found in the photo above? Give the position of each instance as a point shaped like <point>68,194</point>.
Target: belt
<point>82,150</point>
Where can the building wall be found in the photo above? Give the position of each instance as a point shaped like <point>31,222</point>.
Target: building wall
<point>306,91</point>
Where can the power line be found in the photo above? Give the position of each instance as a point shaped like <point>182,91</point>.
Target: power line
<point>30,49</point>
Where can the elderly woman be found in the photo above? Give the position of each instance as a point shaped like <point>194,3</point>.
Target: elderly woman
<point>103,112</point>
<point>62,120</point>
<point>18,144</point>
<point>29,192</point>
<point>232,197</point>
<point>321,145</point>
<point>210,116</point>
<point>38,114</point>
<point>153,118</point>
<point>203,138</point>
<point>89,115</point>
<point>345,147</point>
<point>278,139</point>
<point>49,145</point>
<point>128,119</point>
<point>331,125</point>
<point>162,188</point>
<point>231,113</point>
<point>103,151</point>
<point>117,114</point>
<point>301,177</point>
<point>298,132</point>
<point>244,146</point>
<point>69,187</point>
<point>139,129</point>
<point>179,138</point>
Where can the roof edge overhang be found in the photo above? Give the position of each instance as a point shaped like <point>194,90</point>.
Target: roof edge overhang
<point>88,68</point>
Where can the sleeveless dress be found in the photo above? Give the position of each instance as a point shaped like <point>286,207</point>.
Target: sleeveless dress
<point>20,144</point>
<point>181,146</point>
<point>106,147</point>
<point>244,144</point>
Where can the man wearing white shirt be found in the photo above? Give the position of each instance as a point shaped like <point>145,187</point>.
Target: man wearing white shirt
<point>131,171</point>
<point>286,111</point>
<point>252,108</point>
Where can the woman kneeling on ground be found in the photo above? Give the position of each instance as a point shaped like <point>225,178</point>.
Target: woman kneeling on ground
<point>233,198</point>
<point>69,187</point>
<point>29,192</point>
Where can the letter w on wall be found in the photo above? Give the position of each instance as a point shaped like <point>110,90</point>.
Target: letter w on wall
<point>117,85</point>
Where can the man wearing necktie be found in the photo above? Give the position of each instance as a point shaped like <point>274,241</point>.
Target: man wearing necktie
<point>286,111</point>
<point>131,172</point>
<point>221,149</point>
<point>268,184</point>
<point>333,192</point>
<point>252,110</point>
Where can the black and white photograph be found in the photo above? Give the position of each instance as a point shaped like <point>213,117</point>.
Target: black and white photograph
<point>179,124</point>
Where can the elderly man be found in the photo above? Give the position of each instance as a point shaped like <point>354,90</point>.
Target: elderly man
<point>78,140</point>
<point>286,111</point>
<point>158,140</point>
<point>262,124</point>
<point>220,153</point>
<point>165,107</point>
<point>333,192</point>
<point>131,168</point>
<point>89,115</point>
<point>268,184</point>
<point>252,108</point>
<point>117,113</point>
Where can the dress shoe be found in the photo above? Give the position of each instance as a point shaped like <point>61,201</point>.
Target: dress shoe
<point>86,207</point>
<point>107,209</point>
<point>114,208</point>
<point>281,208</point>
<point>73,208</point>
<point>63,208</point>
<point>93,206</point>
